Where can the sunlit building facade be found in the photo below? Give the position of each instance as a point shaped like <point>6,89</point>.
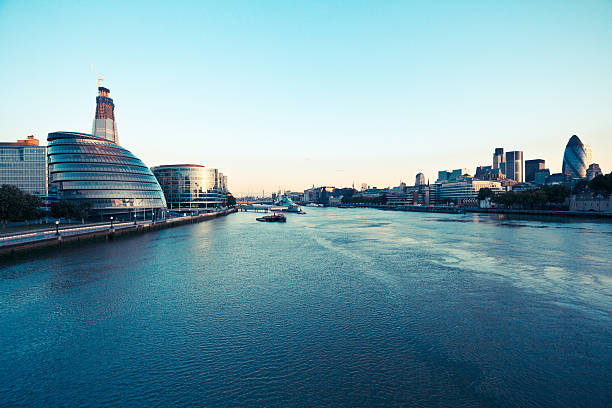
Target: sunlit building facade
<point>87,168</point>
<point>514,166</point>
<point>188,186</point>
<point>24,164</point>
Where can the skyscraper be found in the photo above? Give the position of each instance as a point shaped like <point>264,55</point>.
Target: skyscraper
<point>104,124</point>
<point>532,167</point>
<point>420,179</point>
<point>576,158</point>
<point>499,160</point>
<point>514,166</point>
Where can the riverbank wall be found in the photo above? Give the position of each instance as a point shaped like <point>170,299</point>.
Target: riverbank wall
<point>555,213</point>
<point>463,210</point>
<point>57,242</point>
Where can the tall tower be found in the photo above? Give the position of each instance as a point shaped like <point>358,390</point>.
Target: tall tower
<point>104,124</point>
<point>576,158</point>
<point>514,166</point>
<point>498,160</point>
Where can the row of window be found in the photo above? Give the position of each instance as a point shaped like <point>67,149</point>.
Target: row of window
<point>122,194</point>
<point>98,167</point>
<point>97,150</point>
<point>72,176</point>
<point>87,158</point>
<point>101,185</point>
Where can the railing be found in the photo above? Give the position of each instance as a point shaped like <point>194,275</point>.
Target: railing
<point>40,235</point>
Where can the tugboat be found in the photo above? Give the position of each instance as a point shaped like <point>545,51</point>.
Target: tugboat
<point>272,218</point>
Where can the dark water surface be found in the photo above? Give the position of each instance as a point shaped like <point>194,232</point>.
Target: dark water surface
<point>334,308</point>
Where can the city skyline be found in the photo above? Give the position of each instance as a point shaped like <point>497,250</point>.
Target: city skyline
<point>287,96</point>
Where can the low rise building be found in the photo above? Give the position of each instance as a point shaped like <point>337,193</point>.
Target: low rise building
<point>191,186</point>
<point>24,164</point>
<point>461,190</point>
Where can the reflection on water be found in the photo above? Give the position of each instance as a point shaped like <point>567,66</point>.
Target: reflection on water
<point>337,307</point>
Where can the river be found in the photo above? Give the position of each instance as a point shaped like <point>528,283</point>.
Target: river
<point>338,307</point>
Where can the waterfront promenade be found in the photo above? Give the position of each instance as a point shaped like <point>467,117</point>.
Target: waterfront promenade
<point>21,242</point>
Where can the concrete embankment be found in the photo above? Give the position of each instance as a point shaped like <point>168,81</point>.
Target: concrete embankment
<point>21,249</point>
<point>555,213</point>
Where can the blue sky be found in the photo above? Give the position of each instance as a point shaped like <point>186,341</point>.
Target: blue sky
<point>289,94</point>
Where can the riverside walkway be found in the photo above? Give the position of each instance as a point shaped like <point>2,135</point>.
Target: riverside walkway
<point>21,242</point>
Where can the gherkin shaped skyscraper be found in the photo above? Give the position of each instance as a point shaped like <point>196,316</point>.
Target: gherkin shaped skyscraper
<point>576,158</point>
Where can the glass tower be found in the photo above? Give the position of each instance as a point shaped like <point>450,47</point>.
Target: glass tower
<point>514,166</point>
<point>576,158</point>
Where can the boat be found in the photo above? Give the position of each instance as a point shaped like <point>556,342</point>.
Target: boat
<point>286,204</point>
<point>272,218</point>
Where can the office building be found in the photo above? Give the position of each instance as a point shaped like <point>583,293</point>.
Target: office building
<point>24,164</point>
<point>191,186</point>
<point>541,176</point>
<point>499,161</point>
<point>443,175</point>
<point>558,178</point>
<point>420,179</point>
<point>483,172</point>
<point>459,173</point>
<point>467,188</point>
<point>593,171</point>
<point>514,166</point>
<point>576,158</point>
<point>320,195</point>
<point>532,167</point>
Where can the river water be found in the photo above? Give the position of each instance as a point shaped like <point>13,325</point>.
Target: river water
<point>354,307</point>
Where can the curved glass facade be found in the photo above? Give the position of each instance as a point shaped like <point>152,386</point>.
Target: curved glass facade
<point>191,185</point>
<point>87,168</point>
<point>576,158</point>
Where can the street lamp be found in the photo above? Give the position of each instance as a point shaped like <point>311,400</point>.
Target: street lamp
<point>111,218</point>
<point>57,228</point>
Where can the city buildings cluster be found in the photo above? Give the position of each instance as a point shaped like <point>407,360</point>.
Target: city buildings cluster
<point>94,169</point>
<point>508,171</point>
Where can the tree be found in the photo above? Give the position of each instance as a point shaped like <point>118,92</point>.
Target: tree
<point>485,193</point>
<point>31,207</point>
<point>580,186</point>
<point>64,209</point>
<point>15,205</point>
<point>602,184</point>
<point>231,200</point>
<point>82,210</point>
<point>11,200</point>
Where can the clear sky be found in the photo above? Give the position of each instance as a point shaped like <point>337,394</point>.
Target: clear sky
<point>294,93</point>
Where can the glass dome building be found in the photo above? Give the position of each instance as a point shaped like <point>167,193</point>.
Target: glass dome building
<point>576,158</point>
<point>88,168</point>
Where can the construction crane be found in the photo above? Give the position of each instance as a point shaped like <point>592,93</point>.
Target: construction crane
<point>100,77</point>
